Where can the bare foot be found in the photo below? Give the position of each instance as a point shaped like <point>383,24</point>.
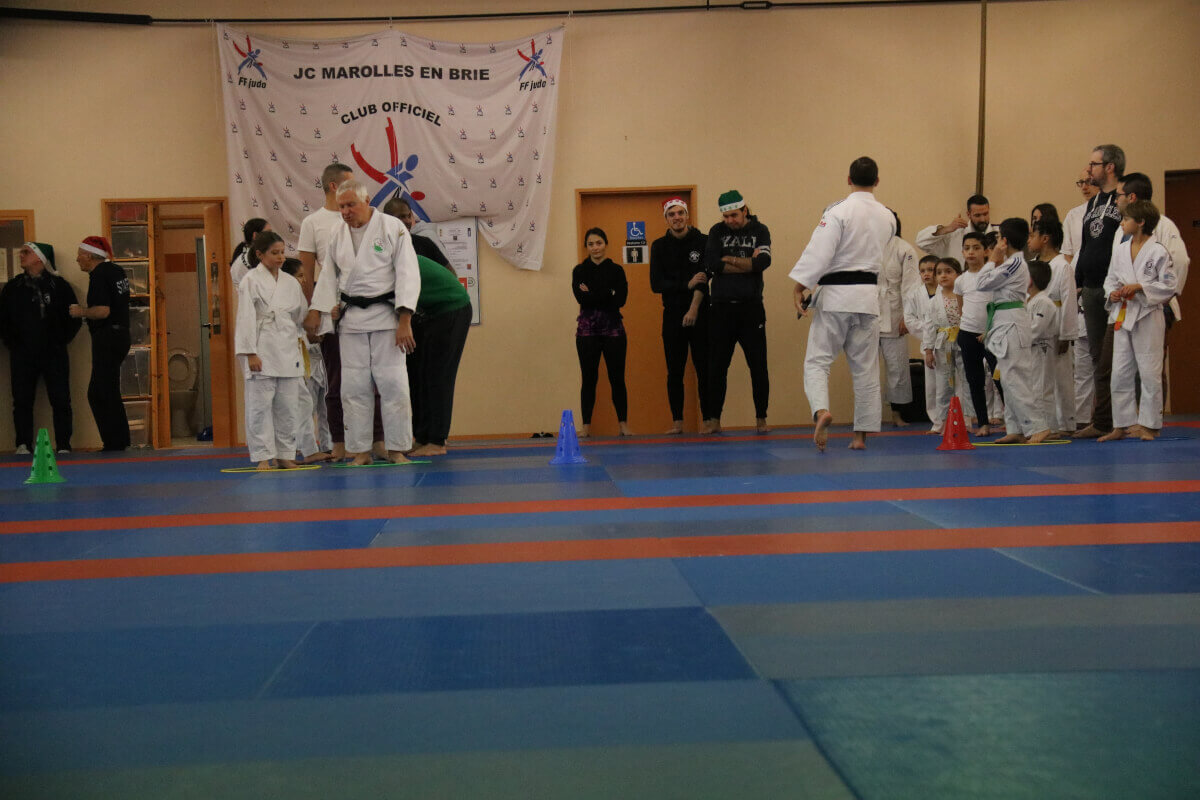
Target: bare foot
<point>339,451</point>
<point>1113,435</point>
<point>858,441</point>
<point>1012,438</point>
<point>983,430</point>
<point>760,425</point>
<point>821,434</point>
<point>286,464</point>
<point>1040,437</point>
<point>676,428</point>
<point>427,450</point>
<point>379,449</point>
<point>360,460</point>
<point>585,431</point>
<point>898,420</point>
<point>397,457</point>
<point>318,457</point>
<point>1090,432</point>
<point>996,421</point>
<point>934,431</point>
<point>625,431</point>
<point>262,466</point>
<point>1146,434</point>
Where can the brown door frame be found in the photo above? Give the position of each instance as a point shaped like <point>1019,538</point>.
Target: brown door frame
<point>221,361</point>
<point>581,193</point>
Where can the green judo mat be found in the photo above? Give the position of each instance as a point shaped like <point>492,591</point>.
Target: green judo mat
<point>1067,736</point>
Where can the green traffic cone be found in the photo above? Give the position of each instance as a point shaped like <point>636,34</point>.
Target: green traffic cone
<point>45,469</point>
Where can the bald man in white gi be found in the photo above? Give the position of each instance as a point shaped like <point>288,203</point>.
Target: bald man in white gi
<point>376,279</point>
<point>837,277</point>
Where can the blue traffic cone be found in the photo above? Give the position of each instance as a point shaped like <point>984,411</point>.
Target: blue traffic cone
<point>568,442</point>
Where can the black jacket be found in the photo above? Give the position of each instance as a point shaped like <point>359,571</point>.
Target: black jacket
<point>724,241</point>
<point>34,313</point>
<point>607,287</point>
<point>673,262</point>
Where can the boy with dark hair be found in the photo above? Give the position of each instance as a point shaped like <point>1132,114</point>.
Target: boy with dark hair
<point>1045,241</point>
<point>1009,334</point>
<point>1140,281</point>
<point>1044,320</point>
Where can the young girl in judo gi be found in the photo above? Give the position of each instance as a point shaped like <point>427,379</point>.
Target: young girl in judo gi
<point>1044,324</point>
<point>942,317</point>
<point>271,309</point>
<point>916,307</point>
<point>1141,279</point>
<point>313,437</point>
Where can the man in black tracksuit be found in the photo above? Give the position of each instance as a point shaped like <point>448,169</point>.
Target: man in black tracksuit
<point>737,252</point>
<point>36,325</point>
<point>677,273</point>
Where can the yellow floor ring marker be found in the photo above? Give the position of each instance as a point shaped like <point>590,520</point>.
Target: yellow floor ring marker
<point>1021,444</point>
<point>273,469</point>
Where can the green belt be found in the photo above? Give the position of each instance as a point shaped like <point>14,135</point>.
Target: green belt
<point>992,308</point>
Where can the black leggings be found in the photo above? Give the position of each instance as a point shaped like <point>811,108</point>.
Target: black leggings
<point>590,348</point>
<point>974,355</point>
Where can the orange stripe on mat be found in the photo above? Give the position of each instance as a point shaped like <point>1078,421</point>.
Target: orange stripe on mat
<point>606,549</point>
<point>597,504</point>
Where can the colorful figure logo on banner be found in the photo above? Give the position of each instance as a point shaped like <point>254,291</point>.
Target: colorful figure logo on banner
<point>395,181</point>
<point>250,58</point>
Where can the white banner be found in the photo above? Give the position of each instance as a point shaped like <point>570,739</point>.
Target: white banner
<point>458,130</point>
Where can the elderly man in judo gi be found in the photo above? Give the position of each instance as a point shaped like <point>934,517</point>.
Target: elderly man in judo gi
<point>375,281</point>
<point>837,277</point>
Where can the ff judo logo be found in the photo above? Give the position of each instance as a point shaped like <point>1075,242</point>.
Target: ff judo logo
<point>394,182</point>
<point>250,62</point>
<point>534,65</point>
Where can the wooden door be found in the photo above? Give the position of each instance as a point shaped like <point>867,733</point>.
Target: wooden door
<point>1182,205</point>
<point>645,366</point>
<point>220,327</point>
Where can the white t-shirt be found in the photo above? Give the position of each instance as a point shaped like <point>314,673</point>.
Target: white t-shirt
<point>316,232</point>
<point>974,311</point>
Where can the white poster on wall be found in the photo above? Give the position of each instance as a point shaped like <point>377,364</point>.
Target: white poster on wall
<point>459,130</point>
<point>460,240</point>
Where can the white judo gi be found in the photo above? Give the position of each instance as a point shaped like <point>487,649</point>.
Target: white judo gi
<point>314,435</point>
<point>1009,338</point>
<point>1062,293</point>
<point>916,307</point>
<point>239,268</point>
<point>1044,329</point>
<point>1073,231</point>
<point>270,316</point>
<point>940,335</point>
<point>948,245</point>
<point>1138,344</point>
<point>898,276</point>
<point>850,238</point>
<point>383,262</point>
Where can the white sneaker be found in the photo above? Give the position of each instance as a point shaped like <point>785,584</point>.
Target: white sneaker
<point>22,450</point>
<point>63,452</point>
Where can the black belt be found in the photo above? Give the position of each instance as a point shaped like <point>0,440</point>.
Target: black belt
<point>367,302</point>
<point>849,278</point>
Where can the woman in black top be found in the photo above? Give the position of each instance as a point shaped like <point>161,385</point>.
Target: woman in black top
<point>601,289</point>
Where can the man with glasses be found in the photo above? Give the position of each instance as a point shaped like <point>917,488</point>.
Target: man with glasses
<point>1073,222</point>
<point>1101,221</point>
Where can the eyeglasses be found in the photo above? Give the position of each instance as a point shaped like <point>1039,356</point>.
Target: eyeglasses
<point>1095,164</point>
<point>1081,183</point>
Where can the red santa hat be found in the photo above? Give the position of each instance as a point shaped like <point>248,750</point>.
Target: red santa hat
<point>97,245</point>
<point>670,202</point>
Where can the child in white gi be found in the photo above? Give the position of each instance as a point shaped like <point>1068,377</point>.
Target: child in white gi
<point>271,308</point>
<point>943,313</point>
<point>313,437</point>
<point>1009,335</point>
<point>1044,322</point>
<point>916,308</point>
<point>1141,279</point>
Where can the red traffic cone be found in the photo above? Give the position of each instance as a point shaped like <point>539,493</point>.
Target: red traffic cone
<point>954,435</point>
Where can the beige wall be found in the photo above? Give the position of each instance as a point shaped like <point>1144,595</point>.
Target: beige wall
<point>773,103</point>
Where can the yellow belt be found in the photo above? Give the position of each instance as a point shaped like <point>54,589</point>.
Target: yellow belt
<point>951,333</point>
<point>307,363</point>
<point>1058,303</point>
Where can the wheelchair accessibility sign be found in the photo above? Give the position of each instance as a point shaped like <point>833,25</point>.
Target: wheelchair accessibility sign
<point>635,233</point>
